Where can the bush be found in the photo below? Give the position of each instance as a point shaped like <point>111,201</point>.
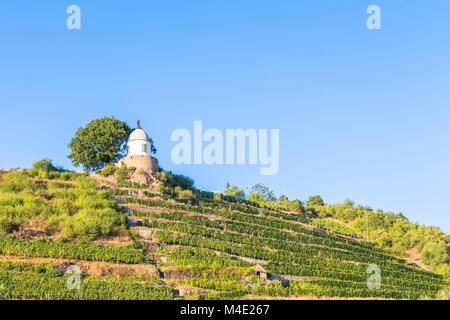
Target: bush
<point>121,173</point>
<point>93,223</point>
<point>8,223</point>
<point>234,191</point>
<point>86,183</point>
<point>260,192</point>
<point>296,206</point>
<point>315,201</point>
<point>169,182</point>
<point>108,170</point>
<point>16,181</point>
<point>43,165</point>
<point>66,176</point>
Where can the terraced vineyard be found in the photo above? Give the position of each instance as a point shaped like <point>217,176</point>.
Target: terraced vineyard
<point>215,245</point>
<point>217,249</point>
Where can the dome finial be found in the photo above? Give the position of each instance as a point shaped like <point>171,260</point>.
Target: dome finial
<point>138,125</point>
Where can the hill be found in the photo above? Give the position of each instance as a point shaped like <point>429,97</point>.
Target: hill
<point>69,236</point>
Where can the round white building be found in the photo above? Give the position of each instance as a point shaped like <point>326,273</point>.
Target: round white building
<point>139,143</point>
<point>139,150</point>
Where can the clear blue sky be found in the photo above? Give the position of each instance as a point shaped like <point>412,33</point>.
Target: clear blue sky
<point>362,114</point>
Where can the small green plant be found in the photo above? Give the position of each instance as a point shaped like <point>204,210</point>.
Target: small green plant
<point>121,174</point>
<point>16,181</point>
<point>108,170</point>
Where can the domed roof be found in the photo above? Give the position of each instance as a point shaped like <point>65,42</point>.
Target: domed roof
<point>138,134</point>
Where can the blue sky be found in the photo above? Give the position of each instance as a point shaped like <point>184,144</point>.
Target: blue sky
<point>362,114</point>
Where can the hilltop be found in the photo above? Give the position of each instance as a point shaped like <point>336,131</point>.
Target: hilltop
<point>172,241</point>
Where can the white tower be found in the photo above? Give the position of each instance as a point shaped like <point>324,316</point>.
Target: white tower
<point>139,156</point>
<point>139,143</point>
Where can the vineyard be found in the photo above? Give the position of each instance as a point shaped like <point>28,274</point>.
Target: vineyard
<point>225,248</point>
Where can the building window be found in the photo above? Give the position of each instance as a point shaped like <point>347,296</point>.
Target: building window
<point>144,148</point>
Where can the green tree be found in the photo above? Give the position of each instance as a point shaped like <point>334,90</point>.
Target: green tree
<point>283,198</point>
<point>296,206</point>
<point>260,192</point>
<point>43,165</point>
<point>99,143</point>
<point>234,191</point>
<point>168,181</point>
<point>315,201</point>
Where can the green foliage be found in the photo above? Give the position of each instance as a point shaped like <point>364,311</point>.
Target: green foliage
<point>234,191</point>
<point>35,286</point>
<point>315,201</point>
<point>31,285</point>
<point>39,268</point>
<point>93,223</point>
<point>296,206</point>
<point>394,231</point>
<point>99,143</point>
<point>81,211</point>
<point>213,245</point>
<point>121,173</point>
<point>8,223</point>
<point>15,208</point>
<point>109,170</point>
<point>260,192</point>
<point>173,184</point>
<point>436,254</point>
<point>184,194</point>
<point>82,251</point>
<point>43,165</point>
<point>98,214</point>
<point>290,249</point>
<point>16,181</point>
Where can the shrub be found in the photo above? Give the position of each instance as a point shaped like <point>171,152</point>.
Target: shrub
<point>93,223</point>
<point>260,192</point>
<point>42,174</point>
<point>58,185</point>
<point>121,173</point>
<point>53,175</point>
<point>296,206</point>
<point>65,176</point>
<point>16,181</point>
<point>315,201</point>
<point>86,183</point>
<point>43,165</point>
<point>234,191</point>
<point>108,170</point>
<point>217,196</point>
<point>8,223</point>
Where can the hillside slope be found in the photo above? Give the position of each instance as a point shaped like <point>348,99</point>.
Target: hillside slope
<point>133,243</point>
